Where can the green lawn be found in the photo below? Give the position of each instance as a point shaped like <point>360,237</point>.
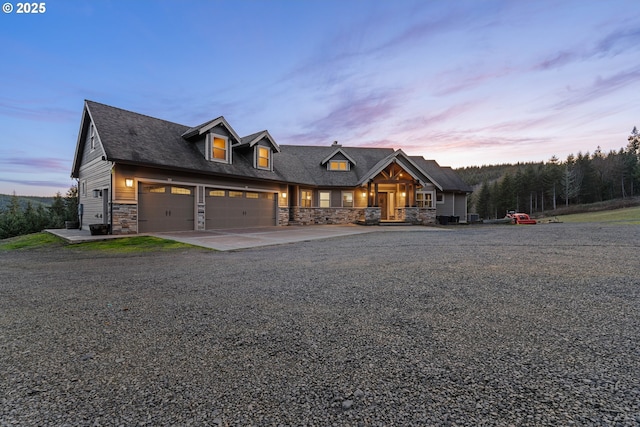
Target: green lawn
<point>621,216</point>
<point>120,245</point>
<point>28,241</point>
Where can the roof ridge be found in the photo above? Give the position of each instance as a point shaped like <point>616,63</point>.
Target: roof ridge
<point>134,112</point>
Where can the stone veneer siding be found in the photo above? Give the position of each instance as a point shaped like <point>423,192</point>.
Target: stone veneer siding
<point>417,216</point>
<point>124,218</point>
<point>283,216</point>
<point>311,216</point>
<point>372,215</point>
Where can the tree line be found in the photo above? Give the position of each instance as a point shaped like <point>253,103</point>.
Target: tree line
<point>17,219</point>
<point>540,187</point>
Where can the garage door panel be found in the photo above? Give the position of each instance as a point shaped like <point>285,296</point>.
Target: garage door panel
<point>230,208</point>
<point>165,208</point>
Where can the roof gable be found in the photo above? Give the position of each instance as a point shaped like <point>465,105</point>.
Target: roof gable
<point>335,153</point>
<point>401,159</point>
<point>255,138</point>
<point>86,126</point>
<point>207,126</point>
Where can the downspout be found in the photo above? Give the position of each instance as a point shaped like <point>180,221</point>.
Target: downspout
<point>79,207</point>
<point>113,165</point>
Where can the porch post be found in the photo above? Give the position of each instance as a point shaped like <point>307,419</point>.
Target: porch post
<point>406,192</point>
<point>369,194</point>
<point>375,195</point>
<point>414,189</point>
<point>292,191</point>
<point>293,196</point>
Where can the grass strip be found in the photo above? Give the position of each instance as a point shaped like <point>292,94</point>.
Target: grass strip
<point>119,245</point>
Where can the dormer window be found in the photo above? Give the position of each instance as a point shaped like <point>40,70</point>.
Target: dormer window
<point>338,165</point>
<point>218,148</point>
<point>263,157</point>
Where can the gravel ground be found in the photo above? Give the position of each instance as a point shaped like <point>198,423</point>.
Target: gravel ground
<point>487,325</point>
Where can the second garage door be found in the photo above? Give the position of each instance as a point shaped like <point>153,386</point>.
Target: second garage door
<point>230,208</point>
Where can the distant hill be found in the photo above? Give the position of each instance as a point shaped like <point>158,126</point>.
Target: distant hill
<point>5,201</point>
<point>476,175</point>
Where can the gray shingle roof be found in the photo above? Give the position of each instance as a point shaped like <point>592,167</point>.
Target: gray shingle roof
<point>443,175</point>
<point>134,138</point>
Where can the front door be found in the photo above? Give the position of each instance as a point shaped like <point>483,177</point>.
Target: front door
<point>383,204</point>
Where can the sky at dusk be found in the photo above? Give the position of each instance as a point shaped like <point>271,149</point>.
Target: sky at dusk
<point>461,82</point>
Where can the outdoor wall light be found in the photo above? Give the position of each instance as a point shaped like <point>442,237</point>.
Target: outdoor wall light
<point>284,195</point>
<point>404,194</point>
<point>128,182</point>
<point>364,194</point>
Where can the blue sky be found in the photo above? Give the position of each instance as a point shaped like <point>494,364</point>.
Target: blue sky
<point>461,82</point>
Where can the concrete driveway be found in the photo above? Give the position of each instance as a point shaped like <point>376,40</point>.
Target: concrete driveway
<point>243,238</point>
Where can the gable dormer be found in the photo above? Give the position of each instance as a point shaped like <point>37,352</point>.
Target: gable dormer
<point>262,147</point>
<point>217,139</point>
<point>338,160</point>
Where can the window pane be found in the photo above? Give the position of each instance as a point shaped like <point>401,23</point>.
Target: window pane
<point>305,201</point>
<point>217,193</point>
<point>155,188</point>
<point>347,200</point>
<point>263,157</point>
<point>219,148</point>
<point>251,195</point>
<point>180,190</point>
<point>338,165</point>
<point>325,199</point>
<point>235,193</point>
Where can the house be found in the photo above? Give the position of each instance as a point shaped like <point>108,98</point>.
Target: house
<point>142,174</point>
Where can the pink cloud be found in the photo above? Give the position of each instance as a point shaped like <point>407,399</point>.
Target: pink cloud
<point>41,165</point>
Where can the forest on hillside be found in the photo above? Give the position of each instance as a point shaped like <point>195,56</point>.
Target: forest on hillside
<point>536,188</point>
<point>23,214</point>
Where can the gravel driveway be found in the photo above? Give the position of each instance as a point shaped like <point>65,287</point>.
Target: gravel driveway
<point>488,325</point>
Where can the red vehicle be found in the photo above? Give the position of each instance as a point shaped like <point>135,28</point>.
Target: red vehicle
<point>521,218</point>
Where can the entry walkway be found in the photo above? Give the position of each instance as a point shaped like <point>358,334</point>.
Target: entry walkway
<point>244,238</point>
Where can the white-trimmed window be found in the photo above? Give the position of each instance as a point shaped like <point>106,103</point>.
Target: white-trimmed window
<point>424,199</point>
<point>347,199</point>
<point>263,158</point>
<point>325,199</point>
<point>218,148</point>
<point>305,198</point>
<point>338,165</point>
<point>439,197</point>
<point>92,136</point>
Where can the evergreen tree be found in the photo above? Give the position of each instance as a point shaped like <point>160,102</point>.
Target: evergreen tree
<point>483,201</point>
<point>58,212</point>
<point>12,222</point>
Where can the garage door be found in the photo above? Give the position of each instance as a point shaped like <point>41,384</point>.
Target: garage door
<point>165,207</point>
<point>229,209</point>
